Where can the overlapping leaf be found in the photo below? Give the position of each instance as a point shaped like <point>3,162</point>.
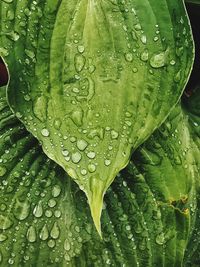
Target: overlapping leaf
<point>93,79</point>
<point>148,215</point>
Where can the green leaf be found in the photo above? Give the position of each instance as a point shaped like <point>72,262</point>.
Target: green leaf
<point>92,80</point>
<point>149,211</point>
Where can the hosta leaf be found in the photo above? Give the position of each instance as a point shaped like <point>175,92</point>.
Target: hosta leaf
<point>147,216</point>
<point>92,80</point>
<point>192,109</point>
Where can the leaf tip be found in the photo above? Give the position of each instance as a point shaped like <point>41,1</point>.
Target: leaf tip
<point>96,203</point>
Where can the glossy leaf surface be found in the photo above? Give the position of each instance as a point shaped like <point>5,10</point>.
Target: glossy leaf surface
<point>93,79</point>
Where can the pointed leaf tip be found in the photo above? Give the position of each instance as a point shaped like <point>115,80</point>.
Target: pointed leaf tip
<point>96,203</point>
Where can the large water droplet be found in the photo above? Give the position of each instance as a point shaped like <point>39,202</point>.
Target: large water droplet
<point>21,209</point>
<point>77,117</point>
<point>31,234</point>
<point>91,155</point>
<point>56,191</point>
<point>5,222</point>
<point>76,157</point>
<point>79,62</point>
<point>91,168</point>
<point>81,144</point>
<point>44,234</point>
<point>158,60</point>
<point>45,132</point>
<point>38,210</point>
<point>55,231</point>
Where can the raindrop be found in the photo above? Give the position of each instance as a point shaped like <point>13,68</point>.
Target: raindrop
<point>57,124</point>
<point>52,203</point>
<point>145,55</point>
<point>45,132</point>
<point>44,234</point>
<point>160,239</point>
<point>76,157</point>
<point>31,234</point>
<point>21,210</point>
<point>56,191</point>
<point>158,60</point>
<point>83,171</point>
<point>55,231</point>
<point>107,162</point>
<point>3,237</point>
<point>5,222</point>
<point>114,134</point>
<point>3,171</point>
<point>81,49</point>
<point>91,168</point>
<point>77,117</point>
<point>144,39</point>
<point>79,62</point>
<point>81,144</point>
<point>129,57</point>
<point>91,155</point>
<point>65,152</point>
<point>51,243</point>
<point>38,210</point>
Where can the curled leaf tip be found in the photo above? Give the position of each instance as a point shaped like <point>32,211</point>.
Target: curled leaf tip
<point>96,209</point>
<point>96,203</point>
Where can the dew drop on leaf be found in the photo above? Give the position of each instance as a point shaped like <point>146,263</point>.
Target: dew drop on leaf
<point>45,132</point>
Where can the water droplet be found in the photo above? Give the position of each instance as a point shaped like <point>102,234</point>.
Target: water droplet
<point>52,203</point>
<point>3,237</point>
<point>81,144</point>
<point>129,57</point>
<point>5,222</point>
<point>97,132</point>
<point>51,243</point>
<point>21,209</point>
<point>77,117</point>
<point>30,53</point>
<point>160,239</point>
<point>114,134</point>
<point>172,62</point>
<point>14,36</point>
<point>81,49</point>
<point>135,70</point>
<point>144,39</point>
<point>45,132</point>
<point>65,152</point>
<point>40,113</point>
<point>3,171</point>
<point>107,162</point>
<point>76,157</point>
<point>56,191</point>
<point>57,124</point>
<point>44,234</point>
<point>145,55</point>
<point>158,60</point>
<point>55,231</point>
<point>177,77</point>
<point>38,210</point>
<point>31,234</point>
<point>83,171</point>
<point>91,168</point>
<point>57,213</point>
<point>91,155</point>
<point>67,245</point>
<point>79,62</point>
